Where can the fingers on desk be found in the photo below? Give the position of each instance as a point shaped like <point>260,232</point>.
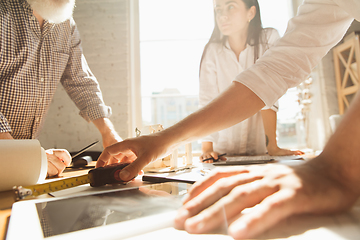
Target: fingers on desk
<point>211,178</point>
<point>270,211</point>
<point>220,192</point>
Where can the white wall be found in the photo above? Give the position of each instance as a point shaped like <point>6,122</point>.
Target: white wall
<point>104,28</point>
<point>322,90</point>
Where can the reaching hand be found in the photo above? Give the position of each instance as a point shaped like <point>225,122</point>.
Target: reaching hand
<point>139,151</point>
<point>109,139</point>
<point>58,160</point>
<point>276,191</point>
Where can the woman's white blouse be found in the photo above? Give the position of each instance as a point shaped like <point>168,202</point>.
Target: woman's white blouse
<point>218,69</point>
<point>319,25</point>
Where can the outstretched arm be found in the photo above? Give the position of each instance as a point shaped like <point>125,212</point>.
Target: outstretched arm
<point>151,147</point>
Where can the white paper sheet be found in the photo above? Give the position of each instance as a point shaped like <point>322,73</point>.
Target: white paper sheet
<point>22,163</point>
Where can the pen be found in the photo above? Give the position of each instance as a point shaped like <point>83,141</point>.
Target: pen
<point>157,179</point>
<point>84,149</point>
<point>213,158</point>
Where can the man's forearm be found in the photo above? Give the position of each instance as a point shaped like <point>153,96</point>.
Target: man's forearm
<point>107,130</point>
<point>5,135</point>
<point>217,115</point>
<point>104,125</point>
<point>341,155</point>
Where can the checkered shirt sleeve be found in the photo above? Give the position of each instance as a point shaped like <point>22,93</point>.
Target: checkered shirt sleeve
<point>33,62</point>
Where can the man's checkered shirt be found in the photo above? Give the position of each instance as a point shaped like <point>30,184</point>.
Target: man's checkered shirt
<point>33,62</point>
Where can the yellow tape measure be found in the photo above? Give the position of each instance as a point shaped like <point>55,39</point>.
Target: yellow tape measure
<point>38,189</point>
<point>96,177</point>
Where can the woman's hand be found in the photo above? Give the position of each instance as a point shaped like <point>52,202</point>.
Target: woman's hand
<point>212,155</point>
<point>209,153</point>
<point>283,152</point>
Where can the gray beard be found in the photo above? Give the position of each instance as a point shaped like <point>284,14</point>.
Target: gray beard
<point>55,11</point>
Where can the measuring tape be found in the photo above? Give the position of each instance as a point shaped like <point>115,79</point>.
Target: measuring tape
<point>39,189</point>
<point>96,177</point>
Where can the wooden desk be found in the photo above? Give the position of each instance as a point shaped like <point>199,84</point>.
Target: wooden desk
<point>338,226</point>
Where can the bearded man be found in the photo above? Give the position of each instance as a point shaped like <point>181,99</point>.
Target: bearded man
<point>40,46</point>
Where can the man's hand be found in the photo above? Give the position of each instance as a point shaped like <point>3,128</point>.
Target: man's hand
<point>276,191</point>
<point>58,160</point>
<point>140,151</point>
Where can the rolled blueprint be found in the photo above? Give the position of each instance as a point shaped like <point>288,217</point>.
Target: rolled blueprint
<point>22,163</point>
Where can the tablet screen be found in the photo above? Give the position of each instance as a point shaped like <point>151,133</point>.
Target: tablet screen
<point>84,212</point>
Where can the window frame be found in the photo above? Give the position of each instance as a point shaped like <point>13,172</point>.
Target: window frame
<point>135,115</point>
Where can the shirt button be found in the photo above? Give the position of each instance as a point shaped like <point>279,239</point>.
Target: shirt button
<point>41,79</point>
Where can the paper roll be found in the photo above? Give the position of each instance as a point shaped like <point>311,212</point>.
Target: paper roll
<point>22,163</point>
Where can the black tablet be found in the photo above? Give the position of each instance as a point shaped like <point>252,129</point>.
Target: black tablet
<point>116,214</point>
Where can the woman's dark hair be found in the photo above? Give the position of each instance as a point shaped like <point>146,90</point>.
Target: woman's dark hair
<point>254,32</point>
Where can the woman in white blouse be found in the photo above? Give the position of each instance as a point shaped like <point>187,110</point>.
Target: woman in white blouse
<point>237,41</point>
